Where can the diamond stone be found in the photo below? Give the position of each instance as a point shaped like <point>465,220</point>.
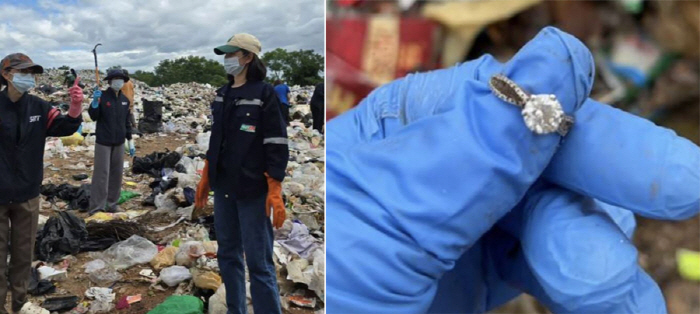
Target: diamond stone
<point>542,114</point>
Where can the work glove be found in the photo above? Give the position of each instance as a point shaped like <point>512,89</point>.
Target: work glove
<point>274,201</point>
<point>132,148</point>
<point>443,201</point>
<point>96,97</point>
<point>202,194</point>
<point>76,100</point>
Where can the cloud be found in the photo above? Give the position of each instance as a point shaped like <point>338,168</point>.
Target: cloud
<point>138,34</point>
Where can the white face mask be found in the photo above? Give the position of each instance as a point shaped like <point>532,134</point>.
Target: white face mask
<point>23,82</point>
<point>232,66</point>
<point>117,84</point>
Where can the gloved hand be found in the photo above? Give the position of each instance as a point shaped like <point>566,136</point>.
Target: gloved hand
<point>443,201</point>
<point>202,193</point>
<point>274,200</point>
<point>96,97</point>
<point>76,99</point>
<point>132,148</point>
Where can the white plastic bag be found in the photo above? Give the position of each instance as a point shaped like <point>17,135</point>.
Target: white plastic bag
<point>174,275</point>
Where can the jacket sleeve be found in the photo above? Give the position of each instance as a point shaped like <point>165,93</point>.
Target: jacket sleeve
<point>275,135</point>
<point>58,124</point>
<point>128,124</point>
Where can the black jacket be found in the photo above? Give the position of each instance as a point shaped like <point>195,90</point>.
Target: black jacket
<point>112,117</point>
<point>24,126</point>
<point>318,97</point>
<point>248,138</point>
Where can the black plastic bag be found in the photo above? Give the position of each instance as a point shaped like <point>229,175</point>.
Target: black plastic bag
<point>60,236</point>
<point>39,287</point>
<point>80,177</point>
<point>77,197</point>
<point>60,303</point>
<point>189,196</point>
<point>154,163</point>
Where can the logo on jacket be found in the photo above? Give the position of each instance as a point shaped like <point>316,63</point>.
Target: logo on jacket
<point>124,103</point>
<point>109,104</point>
<point>248,128</point>
<point>33,119</point>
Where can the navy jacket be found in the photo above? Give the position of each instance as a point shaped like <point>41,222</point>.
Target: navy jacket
<point>24,126</point>
<point>248,138</point>
<point>112,117</point>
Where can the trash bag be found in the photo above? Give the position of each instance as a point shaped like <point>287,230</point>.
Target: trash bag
<point>38,286</point>
<point>181,304</point>
<point>77,197</point>
<point>164,258</point>
<point>102,235</point>
<point>105,276</point>
<point>174,275</point>
<point>132,251</point>
<point>60,303</point>
<point>152,121</point>
<point>60,236</point>
<point>127,195</point>
<point>154,163</point>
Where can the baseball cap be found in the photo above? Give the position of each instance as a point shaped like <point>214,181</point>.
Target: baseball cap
<point>240,41</point>
<point>20,61</point>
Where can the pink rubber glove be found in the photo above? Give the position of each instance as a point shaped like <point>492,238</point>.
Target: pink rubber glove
<point>76,99</point>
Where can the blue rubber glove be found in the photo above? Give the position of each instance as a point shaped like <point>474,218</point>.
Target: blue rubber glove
<point>96,98</point>
<point>437,191</point>
<point>132,148</point>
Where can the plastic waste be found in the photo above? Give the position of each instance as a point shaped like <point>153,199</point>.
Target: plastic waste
<point>127,195</point>
<point>132,251</point>
<point>688,264</point>
<point>60,236</point>
<point>105,276</point>
<point>217,302</point>
<point>174,275</point>
<point>39,287</point>
<point>206,279</point>
<point>188,253</point>
<point>103,298</point>
<point>31,308</point>
<point>60,303</point>
<point>164,258</point>
<point>73,140</point>
<point>93,266</point>
<point>181,304</point>
<point>203,140</point>
<point>52,274</point>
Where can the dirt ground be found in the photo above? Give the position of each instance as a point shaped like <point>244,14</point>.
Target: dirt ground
<point>132,283</point>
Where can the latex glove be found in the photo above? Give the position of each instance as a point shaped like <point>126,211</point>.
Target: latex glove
<point>76,99</point>
<point>132,148</point>
<point>202,193</point>
<point>274,201</point>
<point>423,172</point>
<point>96,98</point>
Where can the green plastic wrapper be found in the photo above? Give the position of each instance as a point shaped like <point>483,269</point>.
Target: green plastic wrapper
<point>180,304</point>
<point>126,195</point>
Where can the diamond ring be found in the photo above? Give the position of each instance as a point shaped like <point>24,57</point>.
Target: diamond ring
<point>542,113</point>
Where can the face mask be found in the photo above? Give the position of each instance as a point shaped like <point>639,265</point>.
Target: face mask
<point>232,66</point>
<point>23,81</point>
<point>117,85</point>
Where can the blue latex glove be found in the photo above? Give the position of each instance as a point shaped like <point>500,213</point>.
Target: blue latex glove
<point>443,201</point>
<point>132,148</point>
<point>96,98</point>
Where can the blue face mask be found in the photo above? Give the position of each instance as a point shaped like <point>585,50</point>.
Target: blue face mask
<point>23,82</point>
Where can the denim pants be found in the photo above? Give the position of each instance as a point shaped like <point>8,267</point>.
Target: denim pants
<point>242,227</point>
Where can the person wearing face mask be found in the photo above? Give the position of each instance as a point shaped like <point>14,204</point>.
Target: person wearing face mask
<point>245,166</point>
<point>25,122</point>
<point>110,109</point>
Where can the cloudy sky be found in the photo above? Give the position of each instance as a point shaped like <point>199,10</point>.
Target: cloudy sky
<point>137,34</point>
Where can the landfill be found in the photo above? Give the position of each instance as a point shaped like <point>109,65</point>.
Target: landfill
<point>156,254</point>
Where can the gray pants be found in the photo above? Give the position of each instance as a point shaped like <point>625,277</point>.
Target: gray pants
<point>106,178</point>
<point>24,218</point>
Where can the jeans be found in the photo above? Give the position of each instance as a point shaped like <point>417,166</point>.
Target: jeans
<point>242,227</point>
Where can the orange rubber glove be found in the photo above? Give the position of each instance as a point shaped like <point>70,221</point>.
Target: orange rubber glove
<point>274,200</point>
<point>202,194</point>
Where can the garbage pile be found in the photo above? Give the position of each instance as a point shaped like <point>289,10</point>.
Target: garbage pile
<point>157,255</point>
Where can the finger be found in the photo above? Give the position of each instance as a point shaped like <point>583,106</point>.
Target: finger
<point>418,199</point>
<point>628,161</point>
<point>77,80</point>
<point>574,258</point>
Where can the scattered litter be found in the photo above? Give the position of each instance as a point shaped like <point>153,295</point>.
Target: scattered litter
<point>181,304</point>
<point>132,251</point>
<point>206,279</point>
<point>60,303</point>
<point>174,275</point>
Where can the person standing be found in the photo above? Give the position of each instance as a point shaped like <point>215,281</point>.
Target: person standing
<point>128,91</point>
<point>317,107</point>
<point>245,166</point>
<point>110,109</point>
<point>285,95</point>
<point>25,122</point>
